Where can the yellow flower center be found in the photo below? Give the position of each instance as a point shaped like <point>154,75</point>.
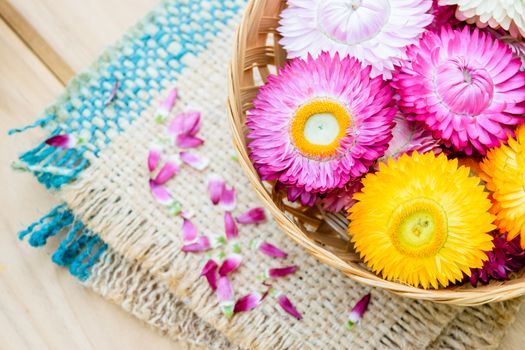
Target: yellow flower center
<point>318,127</point>
<point>418,227</point>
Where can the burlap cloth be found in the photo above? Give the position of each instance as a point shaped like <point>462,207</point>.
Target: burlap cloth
<point>146,272</point>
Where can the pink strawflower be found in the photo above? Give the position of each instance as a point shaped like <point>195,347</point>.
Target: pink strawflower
<point>409,137</point>
<point>465,86</point>
<point>319,123</point>
<point>505,257</point>
<point>376,32</point>
<point>341,198</point>
<point>252,216</point>
<point>443,15</point>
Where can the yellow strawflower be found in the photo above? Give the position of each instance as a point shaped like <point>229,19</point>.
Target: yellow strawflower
<point>421,220</point>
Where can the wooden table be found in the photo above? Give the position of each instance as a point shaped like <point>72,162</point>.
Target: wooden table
<point>43,43</point>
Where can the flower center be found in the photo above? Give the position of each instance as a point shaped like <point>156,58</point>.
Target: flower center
<point>352,21</point>
<point>418,228</point>
<point>318,127</point>
<point>463,88</point>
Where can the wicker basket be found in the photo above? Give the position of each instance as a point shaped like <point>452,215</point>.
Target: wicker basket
<point>256,55</point>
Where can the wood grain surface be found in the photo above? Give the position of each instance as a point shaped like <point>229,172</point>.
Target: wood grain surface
<point>43,43</point>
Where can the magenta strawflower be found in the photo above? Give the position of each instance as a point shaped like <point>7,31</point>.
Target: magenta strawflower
<point>357,312</point>
<point>319,123</point>
<point>505,257</point>
<point>341,198</point>
<point>408,137</point>
<point>465,86</point>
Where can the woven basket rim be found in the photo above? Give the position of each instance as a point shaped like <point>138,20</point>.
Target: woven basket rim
<point>457,295</point>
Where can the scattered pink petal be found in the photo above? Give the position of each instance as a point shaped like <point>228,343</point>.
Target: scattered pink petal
<point>154,157</point>
<point>281,271</point>
<point>62,141</point>
<point>194,160</point>
<point>271,250</point>
<point>189,231</point>
<point>188,141</point>
<point>227,201</point>
<point>252,216</point>
<point>186,123</point>
<point>113,93</point>
<point>358,311</point>
<point>166,106</point>
<point>287,306</point>
<point>210,272</point>
<point>225,296</point>
<point>247,303</point>
<point>202,244</point>
<point>160,193</point>
<point>230,264</point>
<point>167,172</point>
<point>216,186</point>
<point>169,102</point>
<point>230,226</point>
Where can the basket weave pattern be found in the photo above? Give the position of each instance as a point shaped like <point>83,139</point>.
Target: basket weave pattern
<point>257,54</point>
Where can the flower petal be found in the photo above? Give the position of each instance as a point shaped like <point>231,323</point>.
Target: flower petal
<point>228,201</point>
<point>271,250</point>
<point>225,296</point>
<point>160,193</point>
<point>216,186</point>
<point>113,93</point>
<point>167,172</point>
<point>62,141</point>
<point>202,244</point>
<point>230,226</point>
<point>230,264</point>
<point>169,102</point>
<point>247,303</point>
<point>210,272</point>
<point>189,231</point>
<point>358,311</point>
<point>287,306</point>
<point>252,216</point>
<point>154,155</point>
<point>186,123</point>
<point>188,141</point>
<point>194,160</point>
<point>281,271</point>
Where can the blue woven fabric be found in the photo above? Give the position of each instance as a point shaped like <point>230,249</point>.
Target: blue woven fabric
<point>151,54</point>
<point>155,51</point>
